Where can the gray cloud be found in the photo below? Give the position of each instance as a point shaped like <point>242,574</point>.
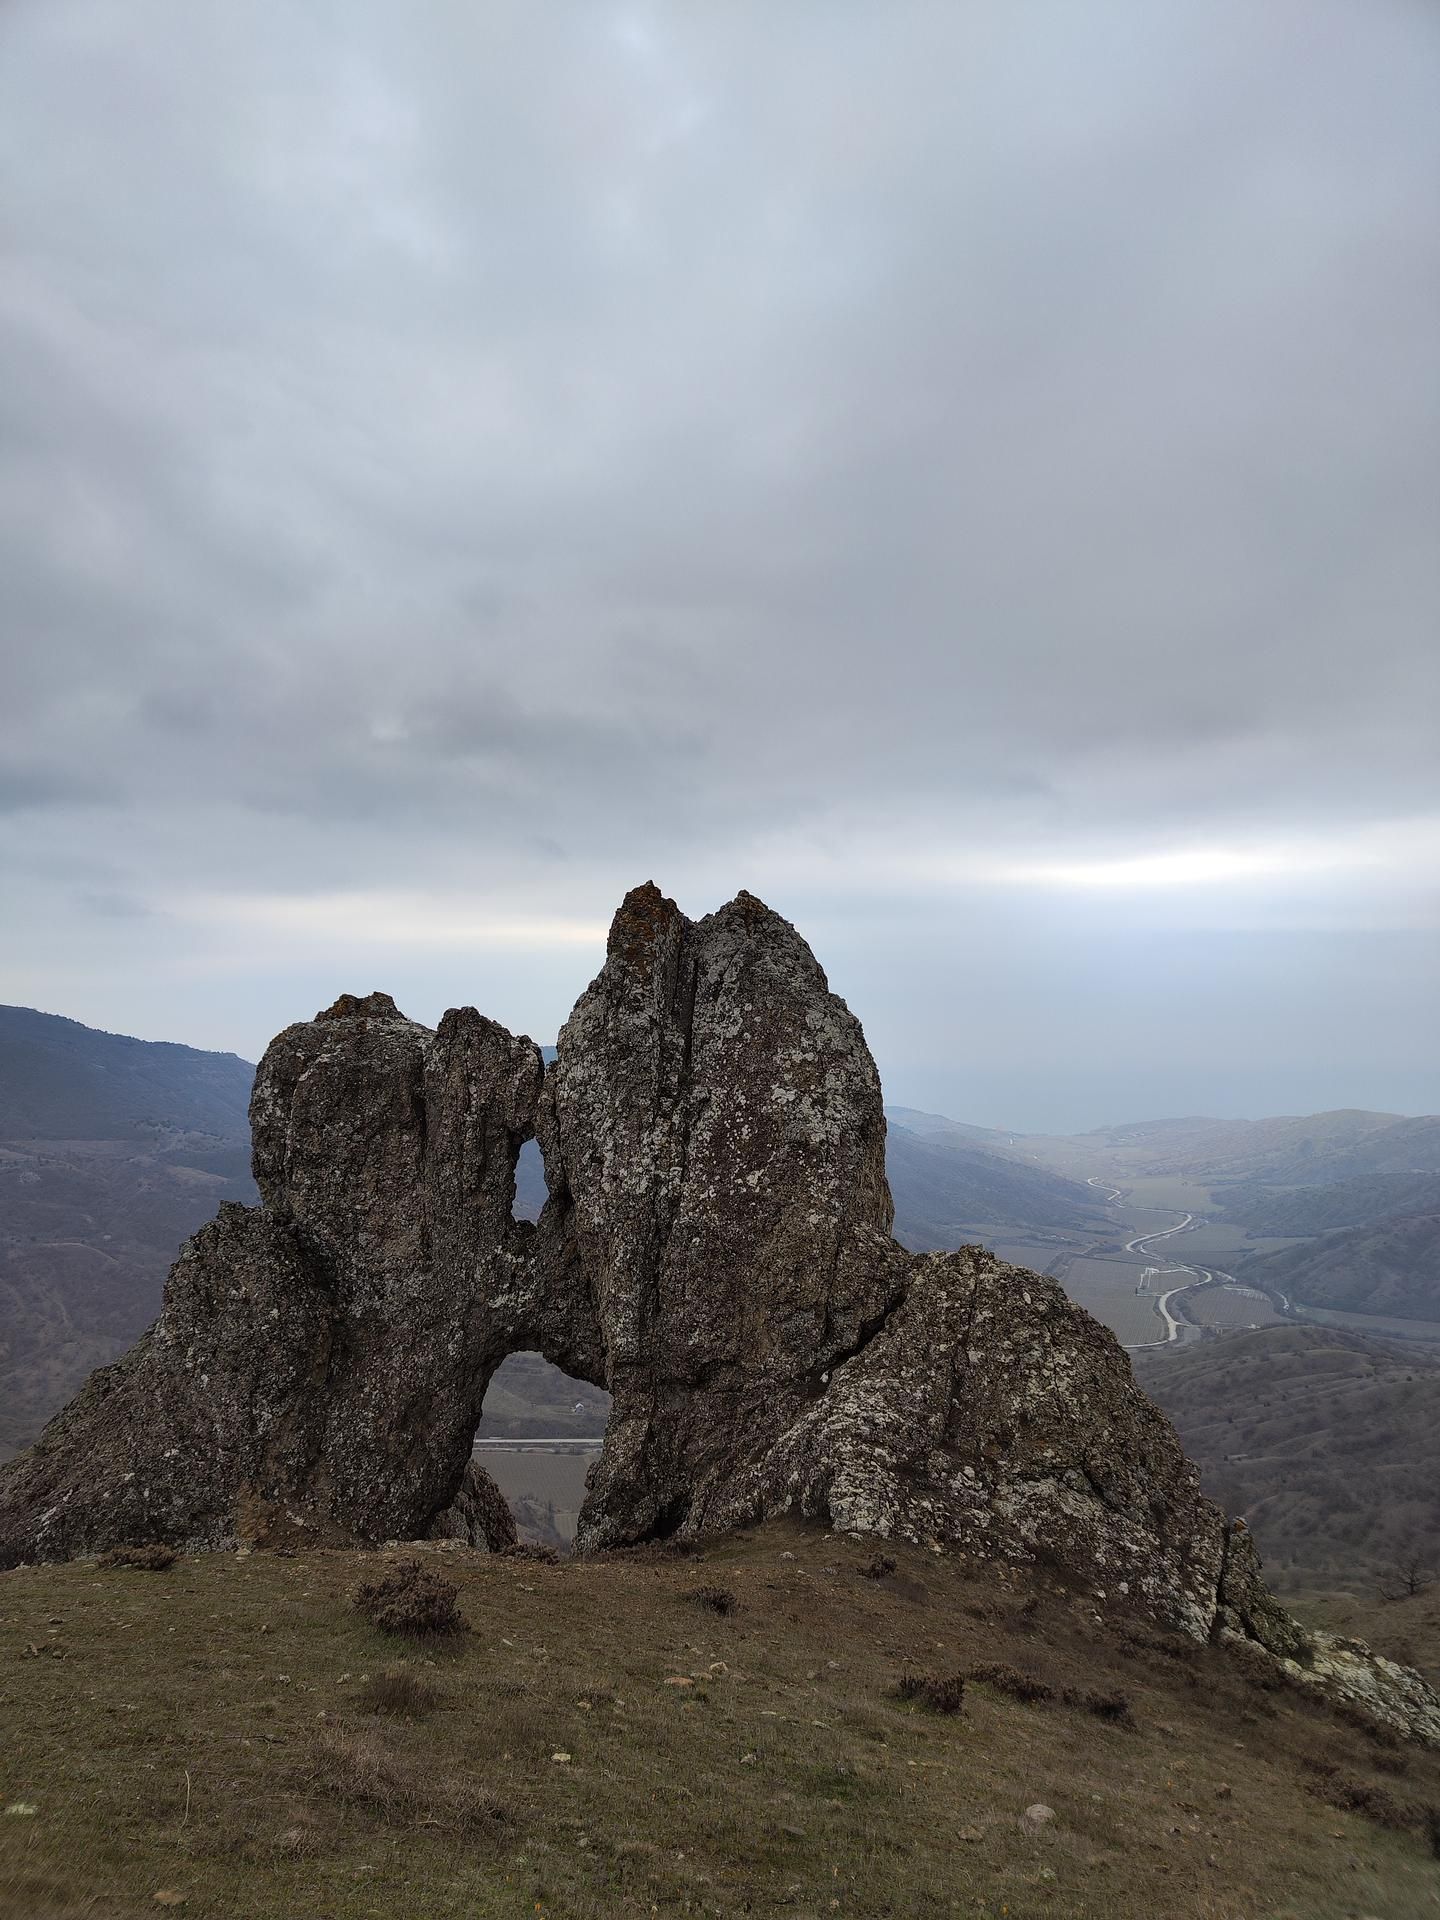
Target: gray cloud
<point>494,454</point>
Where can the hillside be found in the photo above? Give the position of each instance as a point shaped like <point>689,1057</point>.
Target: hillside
<point>112,1152</point>
<point>1323,1441</point>
<point>1285,1150</point>
<point>1363,1201</point>
<point>948,1191</point>
<point>230,1738</point>
<point>63,1081</point>
<point>1392,1269</point>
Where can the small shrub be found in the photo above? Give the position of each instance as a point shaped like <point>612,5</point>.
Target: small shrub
<point>880,1568</point>
<point>1012,1682</point>
<point>1374,1730</point>
<point>1132,1638</point>
<point>399,1693</point>
<point>941,1693</point>
<point>715,1599</point>
<point>149,1559</point>
<point>1358,1796</point>
<point>1260,1668</point>
<point>1026,1617</point>
<point>1431,1820</point>
<point>531,1550</point>
<point>410,1599</point>
<point>1113,1706</point>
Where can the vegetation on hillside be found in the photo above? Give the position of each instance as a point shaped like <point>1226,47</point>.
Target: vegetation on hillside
<point>603,1742</point>
<point>112,1152</point>
<point>1392,1269</point>
<point>1323,1441</point>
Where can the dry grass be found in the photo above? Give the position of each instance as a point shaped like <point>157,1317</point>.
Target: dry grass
<point>149,1559</point>
<point>219,1733</point>
<point>358,1766</point>
<point>400,1694</point>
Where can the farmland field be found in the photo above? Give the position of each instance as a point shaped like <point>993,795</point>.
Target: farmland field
<point>1106,1288</point>
<point>543,1486</point>
<point>1226,1307</point>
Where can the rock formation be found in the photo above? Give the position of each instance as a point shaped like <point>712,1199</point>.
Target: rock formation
<point>715,1251</point>
<point>320,1360</point>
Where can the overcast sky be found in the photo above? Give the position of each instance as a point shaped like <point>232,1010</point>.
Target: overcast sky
<point>969,473</point>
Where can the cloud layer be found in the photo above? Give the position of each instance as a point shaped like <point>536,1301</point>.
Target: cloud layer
<point>456,462</point>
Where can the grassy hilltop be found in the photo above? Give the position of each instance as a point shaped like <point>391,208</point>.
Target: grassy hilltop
<point>231,1735</point>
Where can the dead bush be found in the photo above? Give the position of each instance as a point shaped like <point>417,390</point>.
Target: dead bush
<point>1134,1638</point>
<point>1358,1796</point>
<point>400,1693</point>
<point>1111,1704</point>
<point>1026,1617</point>
<point>1364,1722</point>
<point>410,1599</point>
<point>715,1599</point>
<point>941,1693</point>
<point>1259,1668</point>
<point>356,1766</point>
<point>533,1551</point>
<point>1012,1682</point>
<point>148,1559</point>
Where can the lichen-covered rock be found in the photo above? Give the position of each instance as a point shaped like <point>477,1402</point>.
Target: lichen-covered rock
<point>991,1415</point>
<point>1348,1670</point>
<point>714,1146</point>
<point>320,1361</point>
<point>221,1400</point>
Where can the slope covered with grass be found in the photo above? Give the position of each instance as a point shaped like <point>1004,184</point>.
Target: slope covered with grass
<point>654,1734</point>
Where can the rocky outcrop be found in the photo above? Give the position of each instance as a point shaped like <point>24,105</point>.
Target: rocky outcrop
<point>715,1250</point>
<point>989,1415</point>
<point>714,1146</point>
<point>320,1361</point>
<point>477,1515</point>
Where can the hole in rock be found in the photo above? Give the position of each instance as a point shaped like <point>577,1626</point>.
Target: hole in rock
<point>539,1433</point>
<point>531,1192</point>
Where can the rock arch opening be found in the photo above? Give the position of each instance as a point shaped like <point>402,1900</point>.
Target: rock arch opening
<point>531,1187</point>
<point>540,1432</point>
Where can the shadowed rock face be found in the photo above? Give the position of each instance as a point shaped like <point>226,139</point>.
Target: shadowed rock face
<point>714,1146</point>
<point>321,1360</point>
<point>716,1251</point>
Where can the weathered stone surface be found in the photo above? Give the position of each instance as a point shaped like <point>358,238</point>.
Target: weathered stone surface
<point>715,1250</point>
<point>477,1515</point>
<point>1348,1670</point>
<point>320,1361</point>
<point>714,1145</point>
<point>991,1415</point>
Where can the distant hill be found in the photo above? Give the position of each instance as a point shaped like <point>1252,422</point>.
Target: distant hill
<point>1323,1441</point>
<point>112,1152</point>
<point>948,1190</point>
<point>1286,1150</point>
<point>940,1126</point>
<point>1392,1269</point>
<point>63,1081</point>
<point>1366,1201</point>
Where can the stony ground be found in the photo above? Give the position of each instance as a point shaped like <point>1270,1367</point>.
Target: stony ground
<point>229,1737</point>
